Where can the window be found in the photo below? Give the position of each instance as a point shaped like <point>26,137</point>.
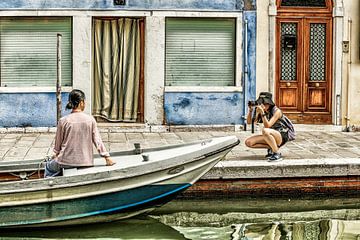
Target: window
<point>28,51</point>
<point>302,3</point>
<point>200,52</point>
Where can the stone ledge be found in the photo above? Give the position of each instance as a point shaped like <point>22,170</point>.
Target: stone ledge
<point>250,169</point>
<point>204,128</point>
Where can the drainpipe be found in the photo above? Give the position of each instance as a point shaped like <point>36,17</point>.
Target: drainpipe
<point>246,71</point>
<point>349,62</point>
<point>58,78</point>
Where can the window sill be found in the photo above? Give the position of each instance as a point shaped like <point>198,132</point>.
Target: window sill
<point>32,89</point>
<point>202,89</point>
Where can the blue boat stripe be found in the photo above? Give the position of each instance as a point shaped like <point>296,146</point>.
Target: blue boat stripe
<point>102,211</point>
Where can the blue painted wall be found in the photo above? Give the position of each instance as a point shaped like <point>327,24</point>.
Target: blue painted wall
<point>29,109</point>
<point>39,109</point>
<point>219,5</point>
<point>250,77</point>
<point>203,108</point>
<point>216,108</point>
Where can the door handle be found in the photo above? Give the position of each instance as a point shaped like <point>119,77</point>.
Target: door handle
<point>288,84</point>
<point>317,85</point>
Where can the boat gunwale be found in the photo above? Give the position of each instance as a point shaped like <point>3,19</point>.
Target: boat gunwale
<point>114,154</point>
<point>78,179</point>
<point>113,190</point>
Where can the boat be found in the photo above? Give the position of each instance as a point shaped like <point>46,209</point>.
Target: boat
<point>141,180</point>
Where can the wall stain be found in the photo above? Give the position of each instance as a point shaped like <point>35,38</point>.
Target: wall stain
<point>212,97</point>
<point>184,102</point>
<point>234,100</point>
<point>203,108</point>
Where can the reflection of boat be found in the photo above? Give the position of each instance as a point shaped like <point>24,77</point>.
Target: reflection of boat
<point>134,228</point>
<point>136,184</point>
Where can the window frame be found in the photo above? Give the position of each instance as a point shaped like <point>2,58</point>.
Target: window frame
<point>291,9</point>
<point>237,81</point>
<point>43,89</point>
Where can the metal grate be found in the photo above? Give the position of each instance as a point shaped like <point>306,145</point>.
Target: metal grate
<point>317,51</point>
<point>302,3</point>
<point>288,55</point>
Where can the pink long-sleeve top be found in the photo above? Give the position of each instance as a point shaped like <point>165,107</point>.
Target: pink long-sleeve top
<point>76,133</point>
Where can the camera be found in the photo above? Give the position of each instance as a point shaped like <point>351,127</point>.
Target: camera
<point>253,103</point>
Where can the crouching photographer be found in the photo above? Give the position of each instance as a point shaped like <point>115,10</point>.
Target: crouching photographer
<point>277,130</point>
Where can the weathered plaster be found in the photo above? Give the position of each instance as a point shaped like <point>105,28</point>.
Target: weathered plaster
<point>218,5</point>
<point>338,14</point>
<point>29,109</point>
<point>351,10</point>
<point>203,108</point>
<point>207,108</point>
<point>82,67</point>
<point>154,69</point>
<point>83,12</point>
<point>250,17</point>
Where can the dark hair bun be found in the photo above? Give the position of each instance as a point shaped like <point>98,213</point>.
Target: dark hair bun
<point>75,97</point>
<point>69,105</point>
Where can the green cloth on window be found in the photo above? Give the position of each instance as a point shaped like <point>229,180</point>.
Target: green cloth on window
<point>116,69</point>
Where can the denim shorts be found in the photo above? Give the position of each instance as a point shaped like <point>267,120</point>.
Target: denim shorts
<point>53,168</point>
<point>284,137</point>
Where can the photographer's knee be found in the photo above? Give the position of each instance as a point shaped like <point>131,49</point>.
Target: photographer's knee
<point>248,142</point>
<point>265,131</point>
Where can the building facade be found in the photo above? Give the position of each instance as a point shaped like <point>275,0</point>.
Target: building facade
<point>154,62</point>
<point>311,52</point>
<point>180,62</point>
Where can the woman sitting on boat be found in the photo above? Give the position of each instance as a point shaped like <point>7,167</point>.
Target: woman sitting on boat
<point>75,135</point>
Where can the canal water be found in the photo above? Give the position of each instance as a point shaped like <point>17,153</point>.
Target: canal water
<point>241,219</point>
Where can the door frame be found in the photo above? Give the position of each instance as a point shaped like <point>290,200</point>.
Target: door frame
<point>303,16</point>
<point>141,97</point>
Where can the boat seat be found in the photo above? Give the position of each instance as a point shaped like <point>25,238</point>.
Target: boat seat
<point>69,171</point>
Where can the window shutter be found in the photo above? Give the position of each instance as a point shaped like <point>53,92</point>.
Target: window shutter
<point>28,51</point>
<point>200,52</point>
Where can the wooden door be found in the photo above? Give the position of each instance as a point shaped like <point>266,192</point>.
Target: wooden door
<point>304,71</point>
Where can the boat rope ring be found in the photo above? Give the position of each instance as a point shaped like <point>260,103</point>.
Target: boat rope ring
<point>23,175</point>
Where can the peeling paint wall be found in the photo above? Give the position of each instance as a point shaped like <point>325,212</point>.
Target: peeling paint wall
<point>29,109</point>
<point>185,108</point>
<point>203,108</point>
<point>159,104</point>
<point>222,5</point>
<point>250,77</point>
<point>351,75</point>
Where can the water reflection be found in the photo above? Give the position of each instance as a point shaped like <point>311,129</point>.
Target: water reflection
<point>142,227</point>
<point>239,219</point>
<point>148,228</point>
<point>322,230</point>
<point>315,230</point>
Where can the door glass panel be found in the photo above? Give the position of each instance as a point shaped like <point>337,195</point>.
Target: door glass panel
<point>302,3</point>
<point>288,51</point>
<point>317,51</point>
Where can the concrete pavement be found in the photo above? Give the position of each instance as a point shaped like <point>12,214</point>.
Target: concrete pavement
<point>314,144</point>
<point>318,151</point>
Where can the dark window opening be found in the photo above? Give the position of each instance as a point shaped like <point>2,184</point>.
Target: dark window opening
<point>303,3</point>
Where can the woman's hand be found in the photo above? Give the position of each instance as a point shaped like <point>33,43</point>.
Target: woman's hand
<point>109,161</point>
<point>260,109</point>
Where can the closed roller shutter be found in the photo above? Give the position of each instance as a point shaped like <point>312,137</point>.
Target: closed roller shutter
<point>28,51</point>
<point>200,52</point>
